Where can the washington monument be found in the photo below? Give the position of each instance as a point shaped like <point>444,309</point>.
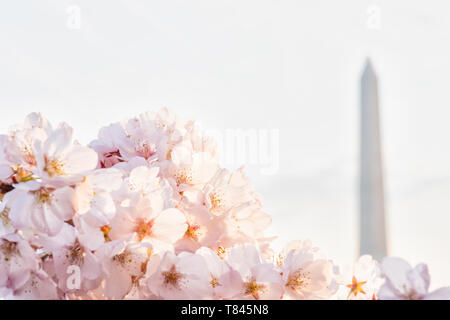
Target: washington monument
<point>372,217</point>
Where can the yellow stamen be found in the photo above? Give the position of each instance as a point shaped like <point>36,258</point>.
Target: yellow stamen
<point>106,230</point>
<point>356,287</point>
<point>214,282</point>
<point>192,232</point>
<point>43,196</point>
<point>184,176</point>
<point>298,280</point>
<point>172,277</point>
<point>144,229</point>
<point>253,288</point>
<point>217,201</point>
<point>145,150</point>
<point>54,167</point>
<point>221,252</point>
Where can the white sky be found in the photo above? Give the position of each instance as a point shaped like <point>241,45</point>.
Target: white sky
<point>280,64</point>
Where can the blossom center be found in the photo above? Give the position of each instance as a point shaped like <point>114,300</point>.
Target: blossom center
<point>192,231</point>
<point>76,253</point>
<point>144,229</point>
<point>298,280</point>
<point>54,167</point>
<point>172,277</point>
<point>411,294</point>
<point>43,196</point>
<point>217,201</point>
<point>184,176</point>
<point>145,150</point>
<point>9,248</point>
<point>253,288</point>
<point>356,287</point>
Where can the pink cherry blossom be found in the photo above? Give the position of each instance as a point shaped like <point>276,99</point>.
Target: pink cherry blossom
<point>404,282</point>
<point>33,206</point>
<point>39,286</point>
<point>179,276</point>
<point>124,264</point>
<point>148,221</point>
<point>60,161</point>
<point>75,254</point>
<point>305,275</point>
<point>260,280</point>
<point>17,261</point>
<point>364,281</point>
<point>146,211</point>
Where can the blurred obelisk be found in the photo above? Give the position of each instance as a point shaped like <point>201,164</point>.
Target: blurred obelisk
<point>372,221</point>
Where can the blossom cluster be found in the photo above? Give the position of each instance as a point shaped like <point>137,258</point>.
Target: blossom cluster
<point>146,212</point>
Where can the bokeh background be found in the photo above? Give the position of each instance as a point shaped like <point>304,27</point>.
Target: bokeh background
<point>288,65</point>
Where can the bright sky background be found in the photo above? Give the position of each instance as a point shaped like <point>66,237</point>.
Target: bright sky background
<point>280,64</point>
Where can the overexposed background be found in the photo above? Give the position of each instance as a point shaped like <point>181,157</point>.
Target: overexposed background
<point>258,64</point>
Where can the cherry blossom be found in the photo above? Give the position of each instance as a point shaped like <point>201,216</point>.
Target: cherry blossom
<point>305,275</point>
<point>124,263</point>
<point>224,280</point>
<point>179,276</point>
<point>149,221</point>
<point>260,280</point>
<point>404,282</point>
<point>146,211</point>
<point>17,261</point>
<point>40,208</point>
<point>365,280</point>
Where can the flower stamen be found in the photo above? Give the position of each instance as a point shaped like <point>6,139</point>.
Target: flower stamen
<point>253,288</point>
<point>356,287</point>
<point>54,167</point>
<point>214,281</point>
<point>192,232</point>
<point>144,229</point>
<point>298,280</point>
<point>172,277</point>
